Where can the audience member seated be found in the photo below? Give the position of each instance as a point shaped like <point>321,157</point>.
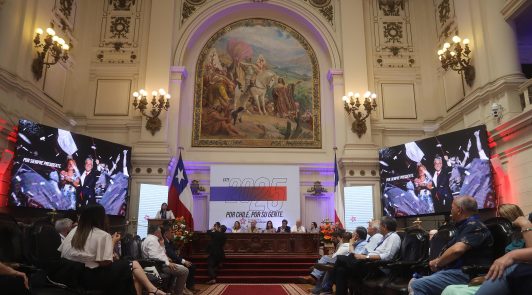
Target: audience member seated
<point>374,236</point>
<point>357,245</point>
<point>13,281</point>
<point>269,227</point>
<point>341,249</point>
<point>236,227</point>
<point>153,248</point>
<point>471,245</point>
<point>171,252</point>
<point>63,227</point>
<point>353,264</point>
<point>88,243</point>
<point>253,227</point>
<point>164,213</point>
<point>498,283</point>
<point>314,229</point>
<point>284,228</point>
<point>299,228</point>
<point>216,252</point>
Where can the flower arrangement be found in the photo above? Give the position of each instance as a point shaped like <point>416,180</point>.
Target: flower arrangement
<point>327,228</point>
<point>182,233</point>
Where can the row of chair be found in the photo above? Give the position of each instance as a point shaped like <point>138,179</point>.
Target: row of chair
<point>392,277</point>
<point>33,249</point>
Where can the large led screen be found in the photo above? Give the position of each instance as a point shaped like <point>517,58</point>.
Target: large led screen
<point>423,177</point>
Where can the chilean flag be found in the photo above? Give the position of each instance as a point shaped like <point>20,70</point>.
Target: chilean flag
<point>180,196</point>
<point>338,201</point>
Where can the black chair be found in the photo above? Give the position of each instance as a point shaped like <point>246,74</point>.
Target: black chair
<point>401,272</point>
<point>414,249</point>
<point>502,230</point>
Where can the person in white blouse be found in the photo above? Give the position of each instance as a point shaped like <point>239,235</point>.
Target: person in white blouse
<point>236,227</point>
<point>164,213</point>
<point>299,228</point>
<point>88,243</point>
<point>253,227</point>
<point>153,248</point>
<point>314,228</point>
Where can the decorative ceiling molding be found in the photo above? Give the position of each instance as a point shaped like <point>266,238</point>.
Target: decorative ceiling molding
<point>445,18</point>
<point>511,9</point>
<point>392,31</point>
<point>119,32</point>
<point>325,8</point>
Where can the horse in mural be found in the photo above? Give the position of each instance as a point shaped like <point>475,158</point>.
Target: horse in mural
<point>257,90</point>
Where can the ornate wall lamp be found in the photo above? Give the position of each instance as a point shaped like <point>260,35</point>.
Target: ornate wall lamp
<point>50,50</point>
<point>160,100</point>
<point>352,106</point>
<point>196,188</point>
<point>317,189</point>
<point>456,58</point>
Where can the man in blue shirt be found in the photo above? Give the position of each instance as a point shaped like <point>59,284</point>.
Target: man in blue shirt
<point>471,245</point>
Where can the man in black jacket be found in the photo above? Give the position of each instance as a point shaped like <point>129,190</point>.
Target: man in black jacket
<point>284,228</point>
<point>85,192</point>
<point>441,192</point>
<point>216,252</point>
<point>171,252</point>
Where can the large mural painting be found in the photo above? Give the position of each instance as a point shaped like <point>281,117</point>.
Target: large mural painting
<point>257,85</point>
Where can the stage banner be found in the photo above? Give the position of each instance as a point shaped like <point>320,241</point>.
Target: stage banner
<point>254,192</point>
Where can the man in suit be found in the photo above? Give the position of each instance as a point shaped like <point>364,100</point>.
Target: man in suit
<point>171,252</point>
<point>87,183</point>
<point>216,252</point>
<point>284,228</point>
<point>442,196</point>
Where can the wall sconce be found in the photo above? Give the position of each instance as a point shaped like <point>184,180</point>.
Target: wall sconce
<point>457,59</point>
<point>196,188</point>
<point>50,50</point>
<point>317,189</point>
<point>352,106</point>
<point>153,123</point>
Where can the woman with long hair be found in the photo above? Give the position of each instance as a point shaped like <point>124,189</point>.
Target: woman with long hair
<point>236,227</point>
<point>164,213</point>
<point>89,243</point>
<point>314,227</point>
<point>269,227</point>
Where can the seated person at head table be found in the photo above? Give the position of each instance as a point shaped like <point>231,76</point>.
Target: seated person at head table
<point>253,227</point>
<point>314,228</point>
<point>236,227</point>
<point>284,228</point>
<point>164,213</point>
<point>299,228</point>
<point>88,243</point>
<point>269,227</point>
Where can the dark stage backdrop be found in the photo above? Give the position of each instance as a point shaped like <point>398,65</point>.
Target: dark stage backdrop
<point>61,170</point>
<point>423,177</point>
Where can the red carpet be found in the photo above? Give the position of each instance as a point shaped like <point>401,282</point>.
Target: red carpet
<point>254,289</point>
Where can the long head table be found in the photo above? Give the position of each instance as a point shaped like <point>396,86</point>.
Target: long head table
<point>267,244</point>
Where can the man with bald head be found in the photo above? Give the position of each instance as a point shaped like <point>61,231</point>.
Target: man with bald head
<point>471,245</point>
